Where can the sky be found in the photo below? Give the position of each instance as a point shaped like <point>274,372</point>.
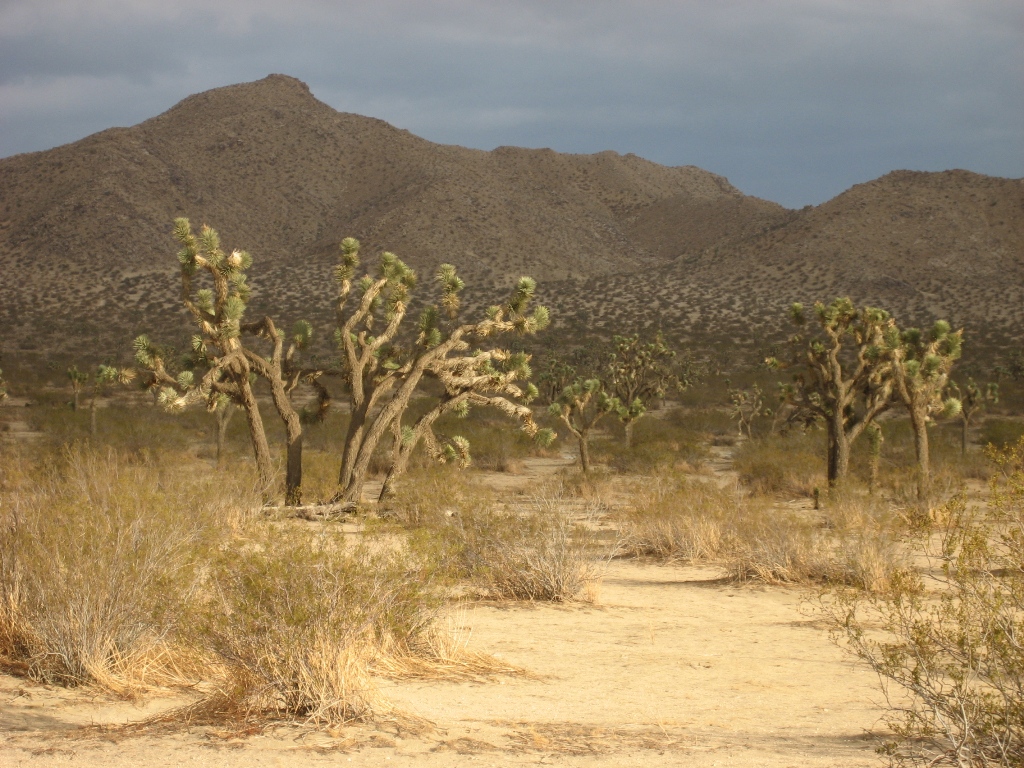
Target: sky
<point>792,100</point>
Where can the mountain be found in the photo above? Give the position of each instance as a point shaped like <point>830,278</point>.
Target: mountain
<point>85,228</point>
<point>922,245</point>
<point>616,242</point>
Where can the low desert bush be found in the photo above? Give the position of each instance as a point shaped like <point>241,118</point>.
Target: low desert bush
<point>793,464</point>
<point>300,621</point>
<point>543,548</point>
<point>99,555</point>
<point>947,644</point>
<point>540,552</point>
<point>693,521</point>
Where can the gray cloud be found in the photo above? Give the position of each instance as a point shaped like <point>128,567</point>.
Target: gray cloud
<point>793,100</point>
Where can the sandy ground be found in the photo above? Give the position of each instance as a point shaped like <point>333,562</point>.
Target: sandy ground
<point>672,666</point>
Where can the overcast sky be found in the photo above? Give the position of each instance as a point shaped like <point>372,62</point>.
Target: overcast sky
<point>792,100</point>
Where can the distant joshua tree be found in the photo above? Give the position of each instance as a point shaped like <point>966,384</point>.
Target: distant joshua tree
<point>638,372</point>
<point>843,375</point>
<point>581,406</point>
<point>974,399</point>
<point>923,361</point>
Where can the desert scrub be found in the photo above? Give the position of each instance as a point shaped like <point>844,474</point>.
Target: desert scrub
<point>300,623</point>
<point>790,464</point>
<point>543,548</point>
<point>658,444</point>
<point>946,644</point>
<point>692,521</point>
<point>99,555</point>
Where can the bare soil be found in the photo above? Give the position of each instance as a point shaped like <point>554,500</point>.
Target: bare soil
<point>671,666</point>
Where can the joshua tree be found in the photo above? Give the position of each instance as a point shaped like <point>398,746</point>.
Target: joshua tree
<point>920,372</point>
<point>555,376</point>
<point>232,364</point>
<point>218,313</point>
<point>637,372</point>
<point>383,375</point>
<point>842,376</point>
<point>104,376</point>
<point>78,381</point>
<point>484,379</point>
<point>747,405</point>
<point>973,399</point>
<point>282,371</point>
<point>580,406</point>
<point>3,387</point>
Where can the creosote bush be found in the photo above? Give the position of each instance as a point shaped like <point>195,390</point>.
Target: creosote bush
<point>946,644</point>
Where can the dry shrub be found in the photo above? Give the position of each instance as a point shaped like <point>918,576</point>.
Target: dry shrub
<point>543,550</point>
<point>99,554</point>
<point>692,521</point>
<point>793,464</point>
<point>429,495</point>
<point>678,520</point>
<point>946,645</point>
<point>300,622</point>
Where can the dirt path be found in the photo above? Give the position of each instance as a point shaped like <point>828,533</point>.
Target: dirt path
<point>673,666</point>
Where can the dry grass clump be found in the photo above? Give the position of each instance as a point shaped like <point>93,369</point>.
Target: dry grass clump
<point>299,622</point>
<point>99,555</point>
<point>791,464</point>
<point>541,552</point>
<point>687,521</point>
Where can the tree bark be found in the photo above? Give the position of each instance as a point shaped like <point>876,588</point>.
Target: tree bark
<point>629,434</point>
<point>260,448</point>
<point>584,453</point>
<point>918,419</point>
<point>964,426</point>
<point>838,452</point>
<point>92,417</point>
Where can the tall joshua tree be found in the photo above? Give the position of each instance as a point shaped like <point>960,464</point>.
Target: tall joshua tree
<point>922,363</point>
<point>639,371</point>
<point>232,363</point>
<point>218,312</point>
<point>383,375</point>
<point>581,406</point>
<point>841,375</point>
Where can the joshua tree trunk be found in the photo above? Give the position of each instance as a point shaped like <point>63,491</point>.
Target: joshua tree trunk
<point>92,417</point>
<point>918,420</point>
<point>353,439</point>
<point>964,426</point>
<point>584,452</point>
<point>629,433</point>
<point>838,452</point>
<point>224,415</point>
<point>260,448</point>
<point>293,473</point>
